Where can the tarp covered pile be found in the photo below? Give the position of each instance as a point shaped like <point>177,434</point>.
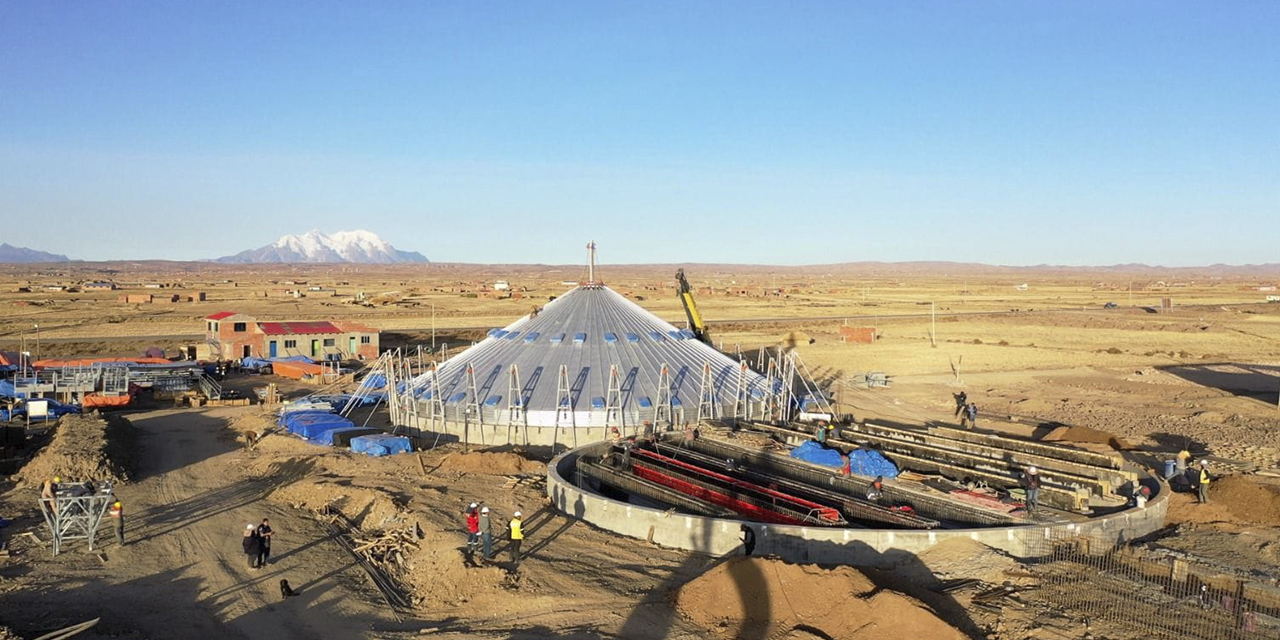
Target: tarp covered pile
<point>862,462</point>
<point>382,444</point>
<point>56,410</point>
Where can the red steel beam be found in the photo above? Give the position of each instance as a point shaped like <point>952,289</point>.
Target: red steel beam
<point>824,512</point>
<point>744,508</point>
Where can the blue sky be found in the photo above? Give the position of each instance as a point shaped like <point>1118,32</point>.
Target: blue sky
<point>779,132</point>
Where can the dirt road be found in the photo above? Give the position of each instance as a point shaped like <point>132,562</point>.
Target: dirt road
<point>184,521</point>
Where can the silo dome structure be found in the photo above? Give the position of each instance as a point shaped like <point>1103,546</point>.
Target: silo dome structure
<point>588,361</point>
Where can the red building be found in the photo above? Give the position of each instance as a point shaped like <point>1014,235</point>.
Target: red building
<point>232,335</point>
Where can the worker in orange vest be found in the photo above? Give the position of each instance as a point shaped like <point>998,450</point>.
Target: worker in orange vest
<point>117,516</point>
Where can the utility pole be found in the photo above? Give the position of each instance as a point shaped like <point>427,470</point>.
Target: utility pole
<point>37,325</point>
<point>433,328</point>
<point>933,324</point>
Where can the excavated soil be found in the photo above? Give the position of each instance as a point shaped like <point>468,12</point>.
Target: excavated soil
<point>1086,435</point>
<point>967,558</point>
<point>1252,500</point>
<point>84,447</point>
<point>492,463</point>
<point>757,597</point>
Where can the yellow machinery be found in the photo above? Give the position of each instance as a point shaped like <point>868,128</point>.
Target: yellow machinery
<point>696,325</point>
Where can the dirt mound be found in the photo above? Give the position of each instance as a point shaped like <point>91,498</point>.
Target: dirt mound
<point>84,447</point>
<point>370,508</point>
<point>494,463</point>
<point>1250,499</point>
<point>1086,436</point>
<point>968,558</point>
<point>756,597</point>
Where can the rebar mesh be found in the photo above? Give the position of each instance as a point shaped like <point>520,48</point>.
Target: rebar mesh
<point>1132,590</point>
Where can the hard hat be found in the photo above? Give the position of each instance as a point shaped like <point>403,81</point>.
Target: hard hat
<point>57,479</point>
<point>484,510</point>
<point>516,514</point>
<point>248,527</point>
<point>473,505</point>
<point>1204,463</point>
<point>1031,470</point>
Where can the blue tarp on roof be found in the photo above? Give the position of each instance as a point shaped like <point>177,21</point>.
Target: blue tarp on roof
<point>863,462</point>
<point>380,444</point>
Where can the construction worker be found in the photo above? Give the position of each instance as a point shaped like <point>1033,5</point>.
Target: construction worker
<point>821,435</point>
<point>1202,489</point>
<point>971,412</point>
<point>1030,481</point>
<point>250,545</point>
<point>473,530</point>
<point>517,536</point>
<point>264,533</point>
<point>117,516</point>
<point>877,489</point>
<point>486,534</point>
<point>961,399</point>
<point>614,436</point>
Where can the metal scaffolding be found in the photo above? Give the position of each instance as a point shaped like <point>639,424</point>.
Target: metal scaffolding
<point>74,513</point>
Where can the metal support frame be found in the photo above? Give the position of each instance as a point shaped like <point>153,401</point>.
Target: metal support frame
<point>436,403</point>
<point>741,400</point>
<point>75,517</point>
<point>662,406</point>
<point>706,395</point>
<point>613,402</point>
<point>771,406</point>
<point>516,416</point>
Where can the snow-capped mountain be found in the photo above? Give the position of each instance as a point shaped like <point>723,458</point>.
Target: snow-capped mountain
<point>314,246</point>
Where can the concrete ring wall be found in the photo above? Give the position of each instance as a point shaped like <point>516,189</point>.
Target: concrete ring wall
<point>823,545</point>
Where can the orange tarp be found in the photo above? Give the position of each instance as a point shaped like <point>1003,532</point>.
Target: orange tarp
<point>88,362</point>
<point>296,370</point>
<point>94,400</point>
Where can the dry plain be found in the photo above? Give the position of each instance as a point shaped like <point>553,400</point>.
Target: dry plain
<point>1203,375</point>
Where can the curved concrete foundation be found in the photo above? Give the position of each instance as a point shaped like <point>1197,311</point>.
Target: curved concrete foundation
<point>823,545</point>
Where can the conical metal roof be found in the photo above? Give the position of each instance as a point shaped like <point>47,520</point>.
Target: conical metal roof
<point>565,355</point>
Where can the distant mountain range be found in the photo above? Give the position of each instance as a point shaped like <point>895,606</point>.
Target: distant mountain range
<point>10,253</point>
<point>363,247</point>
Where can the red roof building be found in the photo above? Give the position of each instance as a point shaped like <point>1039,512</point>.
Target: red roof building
<point>232,336</point>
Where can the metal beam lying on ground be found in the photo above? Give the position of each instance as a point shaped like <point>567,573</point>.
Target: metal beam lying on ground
<point>1046,449</point>
<point>853,505</point>
<point>898,444</point>
<point>1110,477</point>
<point>653,491</point>
<point>921,499</point>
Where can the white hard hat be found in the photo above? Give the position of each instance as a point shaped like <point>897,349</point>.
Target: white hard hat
<point>517,514</point>
<point>484,510</point>
<point>473,505</point>
<point>248,527</point>
<point>1204,463</point>
<point>1031,470</point>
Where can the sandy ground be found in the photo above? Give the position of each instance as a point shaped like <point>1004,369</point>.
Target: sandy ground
<point>184,519</point>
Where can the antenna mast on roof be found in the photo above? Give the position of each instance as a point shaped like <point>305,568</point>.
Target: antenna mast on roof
<point>591,262</point>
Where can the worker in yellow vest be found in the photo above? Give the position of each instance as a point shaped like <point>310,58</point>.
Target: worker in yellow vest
<point>117,516</point>
<point>517,536</point>
<point>1202,490</point>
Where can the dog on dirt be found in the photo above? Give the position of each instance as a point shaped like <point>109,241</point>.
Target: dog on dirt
<point>285,590</point>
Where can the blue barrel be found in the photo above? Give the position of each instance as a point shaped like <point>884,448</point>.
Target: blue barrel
<point>1170,468</point>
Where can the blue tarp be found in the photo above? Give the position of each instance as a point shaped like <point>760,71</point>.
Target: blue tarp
<point>380,444</point>
<point>298,421</point>
<point>817,454</point>
<point>7,389</point>
<point>862,462</point>
<point>313,429</point>
<point>332,436</point>
<point>867,462</point>
<point>374,381</point>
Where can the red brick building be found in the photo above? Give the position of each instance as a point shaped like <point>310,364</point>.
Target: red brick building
<point>233,335</point>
